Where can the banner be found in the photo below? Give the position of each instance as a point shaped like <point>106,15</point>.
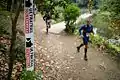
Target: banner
<point>29,34</point>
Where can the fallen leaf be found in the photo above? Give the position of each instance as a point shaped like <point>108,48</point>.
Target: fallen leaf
<point>84,68</point>
<point>72,57</point>
<point>48,41</point>
<point>61,43</point>
<point>41,60</point>
<point>70,79</point>
<point>67,67</point>
<point>47,64</point>
<point>45,48</point>
<point>75,43</point>
<point>58,67</point>
<point>52,61</point>
<point>48,56</point>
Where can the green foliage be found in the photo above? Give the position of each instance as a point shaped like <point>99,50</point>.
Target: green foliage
<point>97,40</point>
<point>5,23</point>
<point>113,49</point>
<point>71,12</point>
<point>20,51</point>
<point>30,75</point>
<point>110,48</point>
<point>84,3</point>
<point>64,3</point>
<point>38,75</point>
<point>101,20</point>
<point>70,15</point>
<point>3,4</point>
<point>58,16</point>
<point>113,7</point>
<point>54,7</point>
<point>49,6</point>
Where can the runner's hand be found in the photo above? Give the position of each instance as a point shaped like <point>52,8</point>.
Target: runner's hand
<point>81,36</point>
<point>95,35</point>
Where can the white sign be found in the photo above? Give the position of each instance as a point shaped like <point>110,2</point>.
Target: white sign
<point>29,34</point>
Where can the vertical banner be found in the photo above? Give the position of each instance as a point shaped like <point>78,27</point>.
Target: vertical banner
<point>29,34</point>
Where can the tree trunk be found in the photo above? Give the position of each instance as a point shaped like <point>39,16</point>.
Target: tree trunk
<point>90,5</point>
<point>13,40</point>
<point>67,26</point>
<point>89,10</point>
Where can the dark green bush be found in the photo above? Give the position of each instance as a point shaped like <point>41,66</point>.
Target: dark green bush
<point>70,16</point>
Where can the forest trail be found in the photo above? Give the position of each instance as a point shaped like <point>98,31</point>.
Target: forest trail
<point>57,58</point>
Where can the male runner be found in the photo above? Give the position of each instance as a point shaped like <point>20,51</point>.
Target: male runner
<point>84,31</point>
<point>34,10</point>
<point>47,19</point>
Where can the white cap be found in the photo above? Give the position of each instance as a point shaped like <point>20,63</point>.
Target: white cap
<point>89,19</point>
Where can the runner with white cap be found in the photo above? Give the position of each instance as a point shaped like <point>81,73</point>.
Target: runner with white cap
<point>84,31</point>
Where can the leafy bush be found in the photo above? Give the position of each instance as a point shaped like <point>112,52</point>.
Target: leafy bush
<point>70,15</point>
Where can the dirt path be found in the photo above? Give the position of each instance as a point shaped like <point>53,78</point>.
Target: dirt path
<point>56,56</point>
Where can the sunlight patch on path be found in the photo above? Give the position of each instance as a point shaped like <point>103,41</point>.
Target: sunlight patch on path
<point>56,28</point>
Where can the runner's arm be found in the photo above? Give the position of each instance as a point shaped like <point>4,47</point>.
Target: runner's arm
<point>80,30</point>
<point>92,30</point>
<point>44,18</point>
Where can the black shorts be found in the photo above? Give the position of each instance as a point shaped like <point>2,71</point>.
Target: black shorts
<point>85,40</point>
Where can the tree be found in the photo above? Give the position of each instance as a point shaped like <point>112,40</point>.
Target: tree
<point>70,15</point>
<point>14,19</point>
<point>90,5</point>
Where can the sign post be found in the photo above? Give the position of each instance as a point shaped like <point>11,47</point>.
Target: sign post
<point>29,34</point>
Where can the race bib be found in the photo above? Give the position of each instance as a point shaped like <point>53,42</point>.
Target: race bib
<point>87,34</point>
<point>48,21</point>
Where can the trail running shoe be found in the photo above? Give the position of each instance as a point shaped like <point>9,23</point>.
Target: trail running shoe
<point>85,58</point>
<point>78,49</point>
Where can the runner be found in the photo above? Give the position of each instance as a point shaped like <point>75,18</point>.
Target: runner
<point>84,31</point>
<point>34,10</point>
<point>47,19</point>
